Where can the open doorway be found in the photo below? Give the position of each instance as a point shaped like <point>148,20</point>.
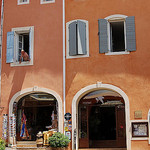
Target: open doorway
<point>101,120</point>
<point>35,112</point>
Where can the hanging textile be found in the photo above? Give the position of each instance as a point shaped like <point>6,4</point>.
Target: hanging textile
<point>24,132</point>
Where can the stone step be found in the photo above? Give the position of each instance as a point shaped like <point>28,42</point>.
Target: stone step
<point>33,148</point>
<point>102,149</point>
<point>28,144</point>
<point>29,148</point>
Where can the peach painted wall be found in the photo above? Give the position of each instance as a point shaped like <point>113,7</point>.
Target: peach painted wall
<point>129,72</point>
<point>47,71</point>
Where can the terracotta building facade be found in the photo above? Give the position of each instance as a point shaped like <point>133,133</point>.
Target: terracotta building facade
<point>88,60</point>
<point>32,69</point>
<point>107,75</point>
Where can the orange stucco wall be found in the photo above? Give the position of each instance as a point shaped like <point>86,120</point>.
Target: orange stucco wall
<point>129,72</point>
<point>47,71</point>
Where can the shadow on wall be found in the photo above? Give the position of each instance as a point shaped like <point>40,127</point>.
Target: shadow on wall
<point>122,70</point>
<point>17,82</point>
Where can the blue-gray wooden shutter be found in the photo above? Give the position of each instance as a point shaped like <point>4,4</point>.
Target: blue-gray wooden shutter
<point>30,42</point>
<point>10,47</point>
<point>103,36</point>
<point>130,34</point>
<point>73,38</point>
<point>81,28</point>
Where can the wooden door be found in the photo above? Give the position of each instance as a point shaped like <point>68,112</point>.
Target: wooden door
<point>120,126</point>
<point>83,127</point>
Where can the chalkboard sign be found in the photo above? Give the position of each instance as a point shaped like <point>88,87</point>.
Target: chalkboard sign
<point>139,129</point>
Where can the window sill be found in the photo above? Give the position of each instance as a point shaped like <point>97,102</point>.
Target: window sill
<point>47,2</point>
<point>140,139</point>
<point>27,63</point>
<point>117,53</point>
<point>23,3</point>
<point>77,56</point>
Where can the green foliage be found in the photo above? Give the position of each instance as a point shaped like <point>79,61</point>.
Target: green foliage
<point>58,140</point>
<point>2,144</point>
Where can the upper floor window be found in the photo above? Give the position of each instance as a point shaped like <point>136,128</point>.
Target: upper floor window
<point>47,1</point>
<point>20,46</point>
<point>77,36</point>
<point>117,34</point>
<point>23,2</point>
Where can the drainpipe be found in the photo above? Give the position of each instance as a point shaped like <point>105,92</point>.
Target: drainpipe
<point>64,63</point>
<point>2,16</point>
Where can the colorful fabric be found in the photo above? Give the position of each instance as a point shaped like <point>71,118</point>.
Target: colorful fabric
<point>24,132</point>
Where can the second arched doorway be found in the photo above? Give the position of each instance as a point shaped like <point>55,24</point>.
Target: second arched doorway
<point>88,108</point>
<point>101,120</point>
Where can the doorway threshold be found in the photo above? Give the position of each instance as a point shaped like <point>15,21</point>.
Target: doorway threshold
<point>102,149</point>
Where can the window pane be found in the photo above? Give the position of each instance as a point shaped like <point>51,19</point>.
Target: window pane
<point>117,36</point>
<point>23,0</point>
<point>20,38</point>
<point>23,43</point>
<point>26,43</point>
<point>20,45</point>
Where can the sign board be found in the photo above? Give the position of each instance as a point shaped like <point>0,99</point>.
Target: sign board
<point>140,129</point>
<point>67,116</point>
<point>5,126</point>
<point>69,127</point>
<point>68,134</point>
<point>138,114</point>
<point>66,128</point>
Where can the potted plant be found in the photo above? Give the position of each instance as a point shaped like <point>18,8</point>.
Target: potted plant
<point>58,141</point>
<point>2,144</point>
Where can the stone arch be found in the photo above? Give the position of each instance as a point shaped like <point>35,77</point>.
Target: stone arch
<point>27,91</point>
<point>93,87</point>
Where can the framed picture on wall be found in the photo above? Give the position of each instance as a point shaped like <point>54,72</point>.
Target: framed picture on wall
<point>140,129</point>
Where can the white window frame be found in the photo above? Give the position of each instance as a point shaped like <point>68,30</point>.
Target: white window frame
<point>46,2</point>
<point>21,3</point>
<point>67,40</point>
<point>115,17</point>
<point>18,31</point>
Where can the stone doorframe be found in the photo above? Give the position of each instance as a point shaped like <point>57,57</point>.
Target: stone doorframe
<point>90,88</point>
<point>34,89</point>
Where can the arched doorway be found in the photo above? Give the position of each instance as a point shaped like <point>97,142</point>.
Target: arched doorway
<point>101,120</point>
<point>35,112</point>
<point>93,108</point>
<point>40,107</point>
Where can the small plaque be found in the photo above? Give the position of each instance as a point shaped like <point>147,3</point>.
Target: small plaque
<point>66,128</point>
<point>68,134</point>
<point>139,129</point>
<point>138,114</point>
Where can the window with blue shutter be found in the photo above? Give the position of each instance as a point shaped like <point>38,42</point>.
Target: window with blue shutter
<point>81,26</point>
<point>20,46</point>
<point>117,34</point>
<point>103,36</point>
<point>30,43</point>
<point>77,38</point>
<point>10,47</point>
<point>73,48</point>
<point>130,33</point>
